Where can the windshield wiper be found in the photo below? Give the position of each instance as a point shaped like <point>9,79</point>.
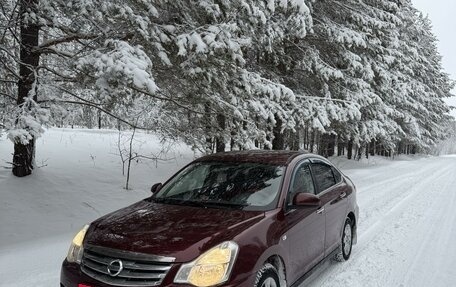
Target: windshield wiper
<point>216,204</point>
<point>168,200</point>
<point>204,204</point>
<point>178,201</point>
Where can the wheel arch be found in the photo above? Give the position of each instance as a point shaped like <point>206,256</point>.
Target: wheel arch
<point>274,256</point>
<point>278,263</point>
<point>354,224</point>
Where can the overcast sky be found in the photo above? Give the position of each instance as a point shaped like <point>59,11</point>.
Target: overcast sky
<point>442,14</point>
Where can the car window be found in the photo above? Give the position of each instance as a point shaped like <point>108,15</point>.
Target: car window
<point>337,175</point>
<point>251,186</point>
<point>324,176</point>
<point>301,182</point>
<point>193,180</point>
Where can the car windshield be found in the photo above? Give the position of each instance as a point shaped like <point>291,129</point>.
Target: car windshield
<point>249,186</point>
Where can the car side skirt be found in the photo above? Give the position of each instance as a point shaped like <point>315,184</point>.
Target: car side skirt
<point>315,268</point>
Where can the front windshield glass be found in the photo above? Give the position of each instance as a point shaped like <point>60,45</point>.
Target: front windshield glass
<point>250,186</point>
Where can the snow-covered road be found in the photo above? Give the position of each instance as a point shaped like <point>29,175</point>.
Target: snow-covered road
<point>407,227</point>
<point>407,224</point>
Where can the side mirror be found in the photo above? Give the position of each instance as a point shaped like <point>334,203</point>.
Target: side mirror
<point>156,187</point>
<point>306,199</point>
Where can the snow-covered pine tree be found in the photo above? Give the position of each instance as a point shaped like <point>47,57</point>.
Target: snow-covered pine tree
<point>218,62</point>
<point>334,70</point>
<point>8,73</point>
<point>109,55</point>
<point>266,74</point>
<point>359,57</point>
<point>424,84</point>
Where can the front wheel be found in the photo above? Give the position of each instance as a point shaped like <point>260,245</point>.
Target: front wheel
<point>345,248</point>
<point>267,277</point>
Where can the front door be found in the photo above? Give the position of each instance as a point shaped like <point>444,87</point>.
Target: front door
<point>306,231</point>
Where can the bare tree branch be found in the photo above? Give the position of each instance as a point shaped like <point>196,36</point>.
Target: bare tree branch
<point>166,99</point>
<point>52,50</point>
<point>69,38</point>
<point>52,71</point>
<point>96,106</point>
<point>8,81</point>
<point>8,96</point>
<point>9,21</point>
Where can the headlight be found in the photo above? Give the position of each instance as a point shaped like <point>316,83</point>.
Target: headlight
<point>75,252</point>
<point>211,268</point>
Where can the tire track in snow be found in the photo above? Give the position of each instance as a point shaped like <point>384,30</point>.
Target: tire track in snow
<point>399,203</point>
<point>369,177</point>
<point>389,200</point>
<point>434,240</point>
<point>372,238</point>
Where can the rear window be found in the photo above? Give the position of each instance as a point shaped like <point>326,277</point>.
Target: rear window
<point>324,176</point>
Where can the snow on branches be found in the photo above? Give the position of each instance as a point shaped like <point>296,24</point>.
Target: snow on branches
<point>118,64</point>
<point>243,73</point>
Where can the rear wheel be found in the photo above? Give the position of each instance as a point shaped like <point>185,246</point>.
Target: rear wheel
<point>267,277</point>
<point>345,248</point>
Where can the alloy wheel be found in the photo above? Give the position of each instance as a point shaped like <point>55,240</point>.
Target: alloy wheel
<point>347,239</point>
<point>269,282</point>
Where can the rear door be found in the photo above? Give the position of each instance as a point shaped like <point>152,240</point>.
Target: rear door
<point>332,192</point>
<point>306,226</point>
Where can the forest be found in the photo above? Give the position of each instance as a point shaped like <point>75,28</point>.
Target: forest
<point>334,77</point>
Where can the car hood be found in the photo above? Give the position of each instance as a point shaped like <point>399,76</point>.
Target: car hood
<point>183,232</point>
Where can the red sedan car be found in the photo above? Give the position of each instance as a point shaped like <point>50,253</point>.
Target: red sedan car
<point>250,218</point>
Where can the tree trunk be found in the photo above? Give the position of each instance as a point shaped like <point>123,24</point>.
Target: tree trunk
<point>372,148</point>
<point>233,133</point>
<point>87,113</point>
<point>331,145</point>
<point>294,140</point>
<point>220,140</point>
<point>400,147</point>
<point>99,119</point>
<point>340,147</point>
<point>24,154</point>
<point>306,138</point>
<point>359,151</point>
<point>208,127</point>
<point>312,141</point>
<point>327,145</point>
<point>350,149</point>
<point>278,143</point>
<point>232,142</point>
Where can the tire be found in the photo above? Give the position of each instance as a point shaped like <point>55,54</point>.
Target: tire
<point>345,248</point>
<point>267,277</point>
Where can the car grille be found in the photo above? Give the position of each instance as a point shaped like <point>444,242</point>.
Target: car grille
<point>138,269</point>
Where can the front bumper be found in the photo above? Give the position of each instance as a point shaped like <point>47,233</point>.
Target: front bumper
<point>71,276</point>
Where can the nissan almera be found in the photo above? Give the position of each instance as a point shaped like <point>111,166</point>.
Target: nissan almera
<point>245,219</point>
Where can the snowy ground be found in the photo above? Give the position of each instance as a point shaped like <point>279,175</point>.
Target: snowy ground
<point>81,179</point>
<point>407,224</point>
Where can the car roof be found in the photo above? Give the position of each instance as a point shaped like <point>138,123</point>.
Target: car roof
<point>274,157</point>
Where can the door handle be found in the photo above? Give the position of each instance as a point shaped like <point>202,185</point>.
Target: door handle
<point>320,211</point>
<point>343,195</point>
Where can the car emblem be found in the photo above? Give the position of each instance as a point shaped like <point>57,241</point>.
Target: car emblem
<point>115,267</point>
